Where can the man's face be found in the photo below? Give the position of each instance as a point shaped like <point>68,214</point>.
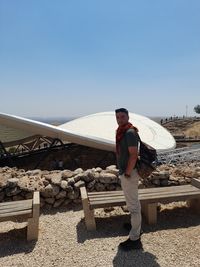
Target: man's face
<point>122,118</point>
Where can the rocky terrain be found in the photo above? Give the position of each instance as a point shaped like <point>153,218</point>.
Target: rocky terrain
<point>188,127</point>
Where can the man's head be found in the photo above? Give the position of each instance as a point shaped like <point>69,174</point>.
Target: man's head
<point>122,116</point>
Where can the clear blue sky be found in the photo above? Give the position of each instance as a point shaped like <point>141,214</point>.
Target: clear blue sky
<point>72,58</point>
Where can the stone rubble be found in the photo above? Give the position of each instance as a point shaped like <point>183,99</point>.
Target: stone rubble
<point>63,187</point>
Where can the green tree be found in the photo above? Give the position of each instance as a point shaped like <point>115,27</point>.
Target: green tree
<point>197,109</point>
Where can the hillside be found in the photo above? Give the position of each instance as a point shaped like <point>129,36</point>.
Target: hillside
<point>189,127</point>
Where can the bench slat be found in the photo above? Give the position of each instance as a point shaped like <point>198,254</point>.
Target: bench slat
<point>91,200</point>
<point>143,196</point>
<point>17,208</point>
<point>148,190</point>
<point>168,195</point>
<point>105,195</point>
<point>17,213</point>
<point>151,198</point>
<point>22,205</point>
<point>112,203</point>
<point>13,203</point>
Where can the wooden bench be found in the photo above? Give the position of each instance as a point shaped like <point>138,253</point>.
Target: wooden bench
<point>23,210</point>
<point>149,199</point>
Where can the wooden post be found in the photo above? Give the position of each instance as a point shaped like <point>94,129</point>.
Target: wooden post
<point>88,213</point>
<point>196,182</point>
<point>33,223</point>
<point>150,212</point>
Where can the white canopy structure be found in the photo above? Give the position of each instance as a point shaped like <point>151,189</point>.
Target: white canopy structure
<point>96,130</point>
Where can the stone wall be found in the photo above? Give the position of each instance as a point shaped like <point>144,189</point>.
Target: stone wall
<point>63,187</point>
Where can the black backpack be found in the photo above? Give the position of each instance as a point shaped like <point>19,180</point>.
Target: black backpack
<point>147,159</point>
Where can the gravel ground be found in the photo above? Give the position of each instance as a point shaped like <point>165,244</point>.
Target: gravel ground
<point>64,241</point>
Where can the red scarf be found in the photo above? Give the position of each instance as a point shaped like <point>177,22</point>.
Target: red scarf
<point>120,133</point>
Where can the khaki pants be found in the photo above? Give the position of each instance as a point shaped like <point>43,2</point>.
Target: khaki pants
<point>130,189</point>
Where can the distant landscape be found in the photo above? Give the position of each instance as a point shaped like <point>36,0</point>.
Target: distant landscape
<point>61,120</point>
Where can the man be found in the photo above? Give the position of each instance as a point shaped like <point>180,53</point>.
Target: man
<point>127,153</point>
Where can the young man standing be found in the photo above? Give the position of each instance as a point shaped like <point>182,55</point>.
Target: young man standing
<point>127,153</point>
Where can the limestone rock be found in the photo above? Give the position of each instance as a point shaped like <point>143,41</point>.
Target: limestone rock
<point>17,198</point>
<point>45,182</point>
<point>50,200</point>
<point>112,169</point>
<point>61,194</point>
<point>99,187</point>
<point>160,175</point>
<point>67,174</point>
<point>36,172</point>
<point>4,180</point>
<point>98,169</point>
<point>79,184</point>
<point>88,176</point>
<point>172,183</point>
<point>96,176</point>
<point>91,184</point>
<point>172,178</point>
<point>50,191</point>
<point>58,203</point>
<point>71,181</point>
<point>45,172</point>
<point>56,178</point>
<point>77,201</point>
<point>12,191</point>
<point>12,182</point>
<point>188,180</point>
<point>73,195</point>
<point>67,202</point>
<point>109,178</point>
<point>182,181</point>
<point>79,177</point>
<point>64,184</point>
<point>110,187</point>
<point>156,182</point>
<point>79,170</point>
<point>164,182</point>
<point>31,183</point>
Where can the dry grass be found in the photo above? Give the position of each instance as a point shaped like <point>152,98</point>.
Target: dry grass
<point>193,131</point>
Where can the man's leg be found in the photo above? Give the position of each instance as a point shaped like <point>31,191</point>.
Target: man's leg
<point>130,189</point>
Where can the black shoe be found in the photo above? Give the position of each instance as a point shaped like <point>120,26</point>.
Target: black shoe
<point>131,244</point>
<point>128,227</point>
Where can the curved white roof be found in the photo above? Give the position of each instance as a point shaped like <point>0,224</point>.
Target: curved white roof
<point>96,130</point>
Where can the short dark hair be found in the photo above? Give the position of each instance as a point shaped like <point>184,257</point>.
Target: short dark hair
<point>121,110</point>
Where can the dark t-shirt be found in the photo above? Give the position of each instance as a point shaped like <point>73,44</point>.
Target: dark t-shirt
<point>130,138</point>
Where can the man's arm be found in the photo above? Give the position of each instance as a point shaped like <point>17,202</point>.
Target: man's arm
<point>133,154</point>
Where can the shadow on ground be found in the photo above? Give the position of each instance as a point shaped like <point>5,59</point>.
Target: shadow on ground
<point>8,242</point>
<point>113,226</point>
<point>140,258</point>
